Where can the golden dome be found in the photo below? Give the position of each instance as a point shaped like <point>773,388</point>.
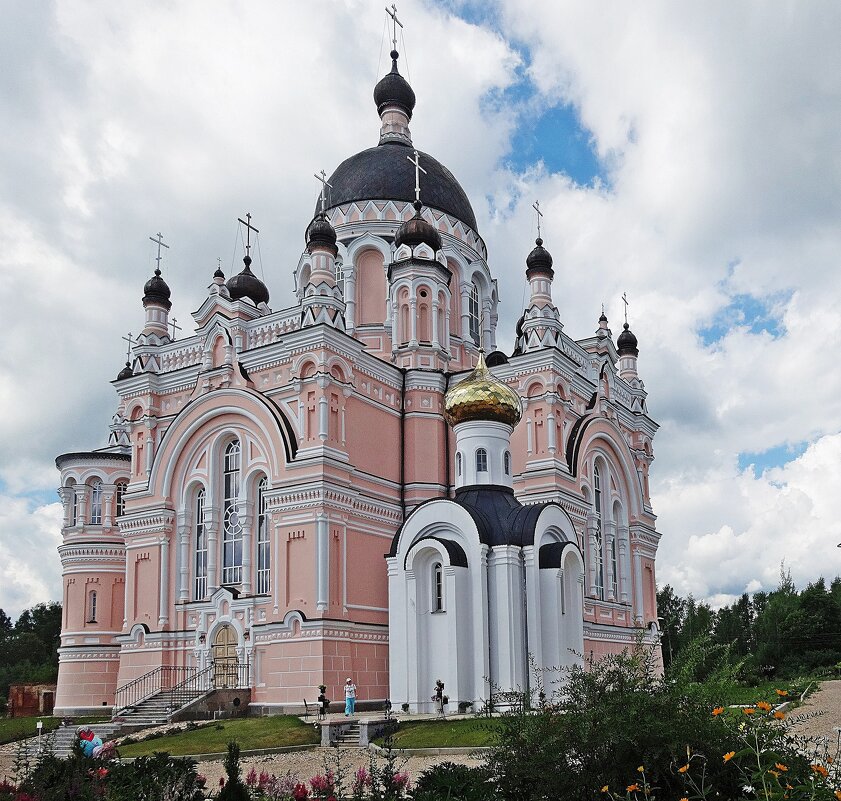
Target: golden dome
<point>482,397</point>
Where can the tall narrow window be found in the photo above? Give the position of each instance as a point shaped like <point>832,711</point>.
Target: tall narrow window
<point>507,463</point>
<point>613,567</point>
<point>92,606</point>
<point>340,274</point>
<point>74,506</point>
<point>96,504</point>
<point>264,568</point>
<point>481,461</point>
<point>597,499</point>
<point>438,588</point>
<point>232,527</point>
<point>120,499</point>
<point>201,547</point>
<point>458,464</point>
<point>473,313</point>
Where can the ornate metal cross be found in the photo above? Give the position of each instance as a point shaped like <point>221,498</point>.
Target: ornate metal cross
<point>322,176</point>
<point>536,207</point>
<point>392,12</point>
<point>175,327</point>
<point>249,228</point>
<point>159,241</point>
<point>130,341</point>
<point>625,301</point>
<point>418,171</point>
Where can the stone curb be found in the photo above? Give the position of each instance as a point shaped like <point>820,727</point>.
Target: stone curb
<point>477,749</point>
<point>287,749</point>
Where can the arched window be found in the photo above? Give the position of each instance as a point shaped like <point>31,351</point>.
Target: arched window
<point>201,547</point>
<point>231,525</point>
<point>507,463</point>
<point>481,461</point>
<point>92,606</point>
<point>264,570</point>
<point>96,504</point>
<point>340,274</point>
<point>599,555</point>
<point>437,587</point>
<point>458,464</point>
<point>120,498</point>
<point>473,316</point>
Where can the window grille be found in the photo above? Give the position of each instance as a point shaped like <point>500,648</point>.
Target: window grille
<point>231,524</point>
<point>264,572</point>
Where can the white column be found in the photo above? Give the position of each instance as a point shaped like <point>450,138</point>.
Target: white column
<point>247,521</point>
<point>435,308</point>
<point>482,676</point>
<point>108,505</point>
<point>553,434</point>
<point>624,563</point>
<point>533,610</point>
<point>638,610</point>
<point>413,320</point>
<point>593,551</point>
<point>412,692</point>
<point>323,562</point>
<point>322,417</point>
<point>350,302</point>
<point>211,528</point>
<point>163,599</point>
<point>529,436</point>
<point>465,312</point>
<point>184,561</point>
<point>609,538</point>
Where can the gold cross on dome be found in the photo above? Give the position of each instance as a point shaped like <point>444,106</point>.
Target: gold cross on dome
<point>536,207</point>
<point>418,171</point>
<point>322,176</point>
<point>392,12</point>
<point>249,228</point>
<point>159,241</point>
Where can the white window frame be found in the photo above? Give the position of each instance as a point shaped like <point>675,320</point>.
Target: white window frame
<point>481,460</point>
<point>264,554</point>
<point>200,552</point>
<point>95,516</point>
<point>232,539</point>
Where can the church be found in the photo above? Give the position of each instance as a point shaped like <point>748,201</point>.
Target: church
<point>361,481</point>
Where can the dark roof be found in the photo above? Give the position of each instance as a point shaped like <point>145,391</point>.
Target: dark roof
<point>91,456</point>
<point>500,518</point>
<point>394,90</point>
<point>416,231</point>
<point>156,290</point>
<point>539,260</point>
<point>126,372</point>
<point>321,234</point>
<point>385,173</point>
<point>458,558</point>
<point>247,285</point>
<point>627,342</point>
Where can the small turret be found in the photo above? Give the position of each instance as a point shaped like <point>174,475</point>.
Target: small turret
<point>628,352</point>
<point>157,304</point>
<point>395,101</point>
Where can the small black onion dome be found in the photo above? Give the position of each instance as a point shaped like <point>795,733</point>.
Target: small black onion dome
<point>416,230</point>
<point>394,90</point>
<point>320,233</point>
<point>126,372</point>
<point>156,290</point>
<point>602,318</point>
<point>218,273</point>
<point>627,342</point>
<point>247,285</point>
<point>539,260</point>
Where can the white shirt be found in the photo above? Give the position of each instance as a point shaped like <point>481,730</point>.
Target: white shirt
<point>350,691</point>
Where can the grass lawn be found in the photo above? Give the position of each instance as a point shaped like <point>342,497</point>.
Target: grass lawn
<point>767,691</point>
<point>250,733</point>
<point>12,729</point>
<point>467,733</point>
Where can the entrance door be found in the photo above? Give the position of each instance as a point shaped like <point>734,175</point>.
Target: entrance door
<point>225,657</point>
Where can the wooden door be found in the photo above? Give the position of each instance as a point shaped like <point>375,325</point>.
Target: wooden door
<point>225,657</point>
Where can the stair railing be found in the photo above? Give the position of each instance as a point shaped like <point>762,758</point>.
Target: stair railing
<point>155,681</point>
<point>195,684</point>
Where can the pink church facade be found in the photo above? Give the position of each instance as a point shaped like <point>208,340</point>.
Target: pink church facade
<point>258,470</point>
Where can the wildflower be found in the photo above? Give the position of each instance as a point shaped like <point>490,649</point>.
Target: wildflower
<point>781,693</point>
<point>780,715</point>
<point>251,779</point>
<point>300,793</point>
<point>780,766</point>
<point>775,773</point>
<point>749,710</point>
<point>764,706</point>
<point>683,769</point>
<point>729,755</point>
<point>684,799</point>
<point>641,769</point>
<point>838,794</point>
<point>605,789</point>
<point>101,773</point>
<point>631,788</point>
<point>820,769</point>
<point>717,711</point>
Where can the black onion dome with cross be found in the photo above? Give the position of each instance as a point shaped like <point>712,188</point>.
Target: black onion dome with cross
<point>626,342</point>
<point>156,290</point>
<point>539,260</point>
<point>416,230</point>
<point>245,284</point>
<point>382,172</point>
<point>320,233</point>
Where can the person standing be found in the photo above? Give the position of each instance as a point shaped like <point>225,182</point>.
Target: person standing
<point>350,697</point>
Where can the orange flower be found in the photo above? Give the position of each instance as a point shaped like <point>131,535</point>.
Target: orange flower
<point>821,770</point>
<point>749,710</point>
<point>775,773</point>
<point>838,794</point>
<point>781,693</point>
<point>683,769</point>
<point>729,755</point>
<point>718,710</point>
<point>684,799</point>
<point>780,766</point>
<point>779,715</point>
<point>632,787</point>
<point>764,706</point>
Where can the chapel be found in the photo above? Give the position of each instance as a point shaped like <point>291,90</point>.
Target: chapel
<point>360,481</point>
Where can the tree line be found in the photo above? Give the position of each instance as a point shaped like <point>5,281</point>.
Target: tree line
<point>29,647</point>
<point>784,632</point>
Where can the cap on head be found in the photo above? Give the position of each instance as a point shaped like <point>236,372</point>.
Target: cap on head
<point>347,681</point>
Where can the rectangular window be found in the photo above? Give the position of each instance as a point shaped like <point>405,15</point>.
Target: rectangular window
<point>92,606</point>
<point>96,504</point>
<point>473,313</point>
<point>201,548</point>
<point>231,525</point>
<point>264,571</point>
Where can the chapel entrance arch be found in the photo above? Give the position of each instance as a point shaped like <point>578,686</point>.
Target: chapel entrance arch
<point>225,660</point>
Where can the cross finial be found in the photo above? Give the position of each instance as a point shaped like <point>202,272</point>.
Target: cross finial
<point>159,241</point>
<point>392,12</point>
<point>625,301</point>
<point>322,176</point>
<point>418,171</point>
<point>249,228</point>
<point>128,338</point>
<point>536,207</point>
<point>219,263</point>
<point>175,327</point>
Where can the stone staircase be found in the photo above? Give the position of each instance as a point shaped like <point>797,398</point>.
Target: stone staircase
<point>349,736</point>
<point>154,711</point>
<point>60,740</point>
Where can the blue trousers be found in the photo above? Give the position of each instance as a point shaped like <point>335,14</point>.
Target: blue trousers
<point>350,705</point>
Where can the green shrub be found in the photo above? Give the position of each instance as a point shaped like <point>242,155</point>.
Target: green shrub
<point>448,781</point>
<point>159,777</point>
<point>234,789</point>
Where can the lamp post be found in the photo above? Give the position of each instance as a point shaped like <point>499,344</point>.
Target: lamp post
<point>39,726</point>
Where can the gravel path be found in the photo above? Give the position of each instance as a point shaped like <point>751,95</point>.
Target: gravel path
<point>826,701</point>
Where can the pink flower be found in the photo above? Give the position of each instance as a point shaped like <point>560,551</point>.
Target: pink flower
<point>251,779</point>
<point>221,781</point>
<point>361,780</point>
<point>300,793</point>
<point>400,781</point>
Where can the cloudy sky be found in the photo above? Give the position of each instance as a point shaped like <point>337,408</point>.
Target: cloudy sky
<point>685,153</point>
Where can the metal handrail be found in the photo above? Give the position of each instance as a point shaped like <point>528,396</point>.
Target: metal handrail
<point>189,688</point>
<point>136,690</point>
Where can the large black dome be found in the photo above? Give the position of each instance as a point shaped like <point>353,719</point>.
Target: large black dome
<point>385,173</point>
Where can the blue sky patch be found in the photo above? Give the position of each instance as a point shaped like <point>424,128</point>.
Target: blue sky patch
<point>758,315</point>
<point>773,457</point>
